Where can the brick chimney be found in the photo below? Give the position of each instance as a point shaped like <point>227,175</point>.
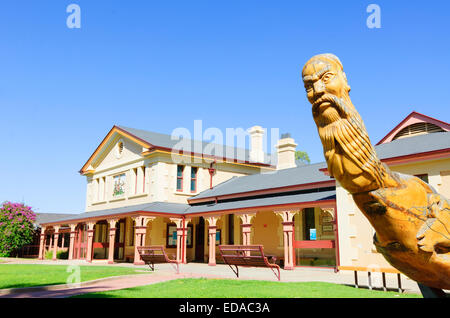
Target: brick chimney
<point>256,144</point>
<point>286,152</point>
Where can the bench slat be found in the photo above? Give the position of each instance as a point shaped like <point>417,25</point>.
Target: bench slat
<point>156,254</point>
<point>246,256</point>
<point>369,269</point>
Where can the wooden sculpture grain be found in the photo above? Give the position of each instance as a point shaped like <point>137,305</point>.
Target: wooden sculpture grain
<point>411,220</point>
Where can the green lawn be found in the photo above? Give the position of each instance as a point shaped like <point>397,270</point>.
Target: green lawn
<point>17,276</point>
<point>226,288</point>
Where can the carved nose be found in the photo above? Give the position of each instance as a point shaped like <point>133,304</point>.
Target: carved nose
<point>319,89</point>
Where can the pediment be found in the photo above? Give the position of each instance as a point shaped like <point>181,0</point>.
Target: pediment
<point>415,123</point>
<point>117,148</point>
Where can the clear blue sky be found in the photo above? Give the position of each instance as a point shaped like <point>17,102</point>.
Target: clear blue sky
<point>159,65</point>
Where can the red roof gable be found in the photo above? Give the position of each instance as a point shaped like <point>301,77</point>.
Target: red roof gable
<point>414,118</point>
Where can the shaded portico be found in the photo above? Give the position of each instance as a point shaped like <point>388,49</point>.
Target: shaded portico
<point>277,223</point>
<point>115,234</point>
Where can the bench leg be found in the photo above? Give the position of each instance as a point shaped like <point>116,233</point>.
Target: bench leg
<point>400,290</point>
<point>369,275</point>
<point>429,292</point>
<point>356,279</point>
<point>384,281</point>
<point>175,267</point>
<point>234,271</point>
<point>277,275</point>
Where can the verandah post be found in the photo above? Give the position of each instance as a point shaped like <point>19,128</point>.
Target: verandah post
<point>212,230</point>
<point>42,243</point>
<point>288,237</point>
<point>184,250</point>
<point>137,239</point>
<point>140,233</point>
<point>178,222</point>
<point>90,234</point>
<point>246,228</point>
<point>112,239</point>
<point>55,241</point>
<point>72,240</point>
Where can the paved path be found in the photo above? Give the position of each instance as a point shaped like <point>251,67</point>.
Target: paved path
<point>104,285</point>
<point>165,272</point>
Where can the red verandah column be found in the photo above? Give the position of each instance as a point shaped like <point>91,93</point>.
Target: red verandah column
<point>181,238</point>
<point>137,239</point>
<point>140,230</point>
<point>72,240</point>
<point>62,241</point>
<point>288,230</point>
<point>112,239</point>
<point>42,243</point>
<point>246,228</point>
<point>55,242</point>
<point>332,212</point>
<point>185,228</point>
<point>90,234</point>
<point>212,230</point>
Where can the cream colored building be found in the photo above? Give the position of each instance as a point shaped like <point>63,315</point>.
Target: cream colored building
<point>139,193</point>
<point>148,167</point>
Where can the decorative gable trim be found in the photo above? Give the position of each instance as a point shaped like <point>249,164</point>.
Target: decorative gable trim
<point>411,119</point>
<point>149,149</point>
<point>108,141</point>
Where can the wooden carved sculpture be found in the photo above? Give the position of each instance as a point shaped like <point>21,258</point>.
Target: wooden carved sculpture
<point>411,220</point>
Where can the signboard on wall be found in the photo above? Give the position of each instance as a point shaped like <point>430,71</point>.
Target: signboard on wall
<point>312,234</point>
<point>172,236</point>
<point>218,237</point>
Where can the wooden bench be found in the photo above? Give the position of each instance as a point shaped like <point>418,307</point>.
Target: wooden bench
<point>247,256</point>
<point>152,255</point>
<point>369,271</point>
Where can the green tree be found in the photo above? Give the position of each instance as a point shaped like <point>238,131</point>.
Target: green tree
<point>16,227</point>
<point>302,156</point>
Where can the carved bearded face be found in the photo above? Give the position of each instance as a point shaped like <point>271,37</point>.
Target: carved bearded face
<point>326,88</point>
<point>348,151</point>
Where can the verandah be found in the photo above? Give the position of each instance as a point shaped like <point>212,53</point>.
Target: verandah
<point>114,239</point>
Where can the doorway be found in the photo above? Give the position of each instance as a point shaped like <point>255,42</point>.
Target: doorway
<point>314,240</point>
<point>80,246</point>
<point>200,241</point>
<point>119,243</point>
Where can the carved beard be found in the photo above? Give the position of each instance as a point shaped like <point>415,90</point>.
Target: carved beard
<point>341,123</point>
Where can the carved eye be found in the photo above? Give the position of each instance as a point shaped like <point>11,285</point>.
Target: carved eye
<point>327,76</point>
<point>308,88</point>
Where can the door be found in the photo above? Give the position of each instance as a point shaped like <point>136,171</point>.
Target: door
<point>309,225</point>
<point>314,243</point>
<point>200,241</point>
<point>119,241</point>
<point>100,244</point>
<point>80,242</point>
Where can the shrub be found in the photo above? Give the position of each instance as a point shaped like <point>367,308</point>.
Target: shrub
<point>16,227</point>
<point>59,254</point>
<point>62,254</point>
<point>49,255</point>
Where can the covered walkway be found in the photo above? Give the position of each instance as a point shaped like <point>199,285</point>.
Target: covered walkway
<point>283,223</point>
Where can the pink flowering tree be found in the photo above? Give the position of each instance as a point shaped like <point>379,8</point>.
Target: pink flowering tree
<point>16,227</point>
